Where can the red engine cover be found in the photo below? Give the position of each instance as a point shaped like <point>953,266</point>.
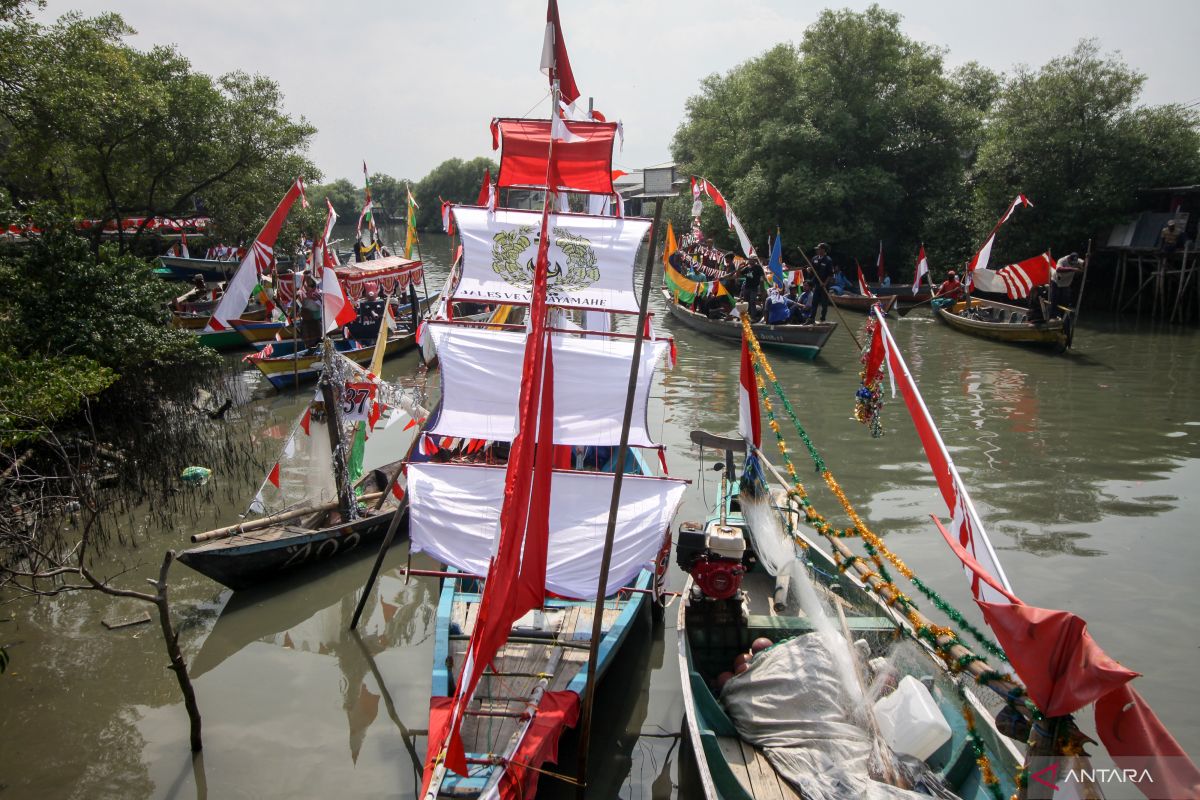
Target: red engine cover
<point>718,578</point>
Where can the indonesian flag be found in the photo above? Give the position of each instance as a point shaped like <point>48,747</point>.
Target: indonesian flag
<point>256,261</point>
<point>966,524</point>
<point>734,223</point>
<point>447,216</point>
<point>880,273</point>
<point>749,423</point>
<point>555,62</point>
<point>922,270</point>
<point>336,306</point>
<point>863,289</point>
<point>981,258</point>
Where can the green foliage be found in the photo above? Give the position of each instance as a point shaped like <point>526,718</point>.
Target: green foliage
<point>455,180</point>
<point>104,131</point>
<point>83,323</point>
<point>347,198</point>
<point>1071,136</point>
<point>854,135</point>
<point>37,391</point>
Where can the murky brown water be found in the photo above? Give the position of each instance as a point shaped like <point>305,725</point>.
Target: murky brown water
<point>1085,469</point>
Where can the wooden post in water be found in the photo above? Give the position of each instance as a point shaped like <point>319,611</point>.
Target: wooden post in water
<point>1087,263</point>
<point>347,503</point>
<point>589,696</point>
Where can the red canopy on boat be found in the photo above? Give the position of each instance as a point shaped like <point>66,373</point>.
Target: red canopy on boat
<point>583,166</point>
<point>388,275</point>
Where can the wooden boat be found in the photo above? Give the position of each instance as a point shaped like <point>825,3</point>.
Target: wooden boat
<point>805,341</point>
<point>903,293</point>
<point>178,268</point>
<point>262,549</point>
<point>195,322</point>
<point>1002,322</point>
<point>257,331</point>
<point>862,303</point>
<point>284,369</point>
<point>712,632</point>
<point>262,554</point>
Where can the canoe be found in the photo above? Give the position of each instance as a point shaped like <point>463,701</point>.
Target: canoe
<point>254,557</point>
<point>1002,322</point>
<point>862,303</point>
<point>283,369</point>
<point>177,268</point>
<point>902,292</point>
<point>258,331</point>
<point>229,339</point>
<point>804,341</point>
<point>714,631</point>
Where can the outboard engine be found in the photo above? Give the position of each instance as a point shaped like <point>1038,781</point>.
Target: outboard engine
<point>713,558</point>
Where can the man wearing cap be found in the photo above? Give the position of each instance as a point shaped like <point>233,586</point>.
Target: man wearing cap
<point>822,268</point>
<point>950,288</point>
<point>1168,238</point>
<point>1062,275</point>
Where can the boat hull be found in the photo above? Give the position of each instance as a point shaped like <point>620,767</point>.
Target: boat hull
<point>1014,330</point>
<point>256,557</point>
<point>862,303</point>
<point>731,769</point>
<point>804,341</point>
<point>177,268</point>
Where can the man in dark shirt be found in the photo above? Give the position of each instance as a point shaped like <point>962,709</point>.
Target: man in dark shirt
<point>822,266</point>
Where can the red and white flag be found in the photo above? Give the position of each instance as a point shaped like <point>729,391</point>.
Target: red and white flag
<point>1021,277</point>
<point>984,255</point>
<point>863,289</point>
<point>256,261</point>
<point>966,525</point>
<point>749,421</point>
<point>922,270</point>
<point>447,217</point>
<point>335,305</point>
<point>555,62</point>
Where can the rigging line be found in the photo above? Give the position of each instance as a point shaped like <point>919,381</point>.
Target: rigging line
<point>535,105</point>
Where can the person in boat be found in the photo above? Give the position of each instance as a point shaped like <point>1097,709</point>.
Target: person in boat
<point>310,313</point>
<point>752,284</point>
<point>822,269</point>
<point>780,307</point>
<point>951,288</point>
<point>1062,276</point>
<point>840,284</point>
<point>198,292</point>
<point>802,314</point>
<point>360,251</point>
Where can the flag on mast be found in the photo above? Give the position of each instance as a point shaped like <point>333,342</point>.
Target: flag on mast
<point>863,289</point>
<point>555,62</point>
<point>776,262</point>
<point>984,255</point>
<point>410,236</point>
<point>366,214</point>
<point>257,260</point>
<point>922,269</point>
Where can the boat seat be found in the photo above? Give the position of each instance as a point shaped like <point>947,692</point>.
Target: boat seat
<point>776,628</point>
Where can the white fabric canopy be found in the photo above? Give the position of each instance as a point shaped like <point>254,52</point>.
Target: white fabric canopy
<point>481,383</point>
<point>591,258</point>
<point>454,516</point>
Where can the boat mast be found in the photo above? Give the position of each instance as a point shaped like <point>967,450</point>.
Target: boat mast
<point>347,503</point>
<point>589,696</point>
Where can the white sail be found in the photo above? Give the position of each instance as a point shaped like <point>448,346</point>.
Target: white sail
<point>454,516</point>
<point>481,383</point>
<point>591,258</point>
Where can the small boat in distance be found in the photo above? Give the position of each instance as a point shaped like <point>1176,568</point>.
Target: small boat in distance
<point>1002,322</point>
<point>804,341</point>
<point>863,303</point>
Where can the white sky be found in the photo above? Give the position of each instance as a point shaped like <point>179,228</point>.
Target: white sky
<point>407,85</point>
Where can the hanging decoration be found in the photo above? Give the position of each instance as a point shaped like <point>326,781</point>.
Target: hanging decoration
<point>868,400</point>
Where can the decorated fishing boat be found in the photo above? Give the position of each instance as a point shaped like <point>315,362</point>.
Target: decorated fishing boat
<point>1003,322</point>
<point>288,363</point>
<point>808,672</point>
<point>551,534</point>
<point>804,341</point>
<point>198,321</point>
<point>316,513</point>
<point>862,303</point>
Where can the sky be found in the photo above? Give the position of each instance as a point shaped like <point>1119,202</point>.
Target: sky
<point>405,86</point>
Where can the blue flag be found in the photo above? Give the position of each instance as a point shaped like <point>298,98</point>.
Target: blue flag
<point>776,263</point>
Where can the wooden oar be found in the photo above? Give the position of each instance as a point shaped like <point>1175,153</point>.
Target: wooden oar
<point>829,300</point>
<point>274,519</point>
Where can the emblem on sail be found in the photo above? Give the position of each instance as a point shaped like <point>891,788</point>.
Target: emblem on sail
<point>591,258</point>
<point>573,262</point>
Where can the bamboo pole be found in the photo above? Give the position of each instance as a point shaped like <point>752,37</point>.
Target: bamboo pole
<point>274,519</point>
<point>825,289</point>
<point>1087,262</point>
<point>589,698</point>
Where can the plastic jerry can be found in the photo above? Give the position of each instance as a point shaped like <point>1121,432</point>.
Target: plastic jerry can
<point>910,720</point>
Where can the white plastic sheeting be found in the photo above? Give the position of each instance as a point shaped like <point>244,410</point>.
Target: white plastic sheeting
<point>481,382</point>
<point>591,258</point>
<point>791,704</point>
<point>454,516</point>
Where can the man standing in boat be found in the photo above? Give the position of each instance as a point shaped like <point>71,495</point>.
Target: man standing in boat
<point>1061,277</point>
<point>822,268</point>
